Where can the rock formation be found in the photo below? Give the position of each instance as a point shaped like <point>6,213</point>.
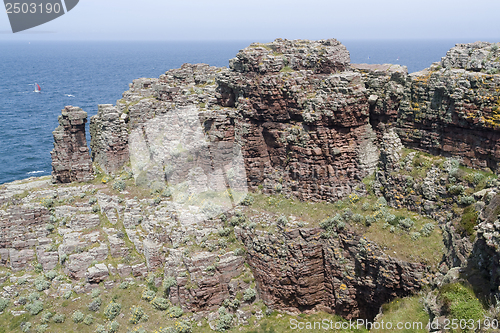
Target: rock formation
<point>109,138</point>
<point>70,158</point>
<point>298,270</point>
<point>288,117</point>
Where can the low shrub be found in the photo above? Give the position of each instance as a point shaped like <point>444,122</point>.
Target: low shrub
<point>67,294</point>
<point>239,252</point>
<point>77,316</point>
<point>3,304</point>
<point>112,310</point>
<point>415,235</point>
<point>59,318</point>
<point>51,275</point>
<point>427,229</point>
<point>249,294</point>
<point>95,293</point>
<point>468,222</point>
<point>148,295</point>
<point>225,320</point>
<point>119,185</point>
<point>160,303</point>
<point>26,327</point>
<point>35,307</point>
<point>224,232</point>
<point>33,296</point>
<point>41,283</point>
<point>406,224</point>
<point>89,320</point>
<point>456,189</point>
<point>113,326</point>
<point>168,283</point>
<point>101,329</point>
<point>137,314</point>
<point>358,218</point>
<point>45,319</point>
<point>42,328</point>
<point>95,305</point>
<point>282,221</point>
<point>175,312</point>
<point>466,200</point>
<point>248,201</point>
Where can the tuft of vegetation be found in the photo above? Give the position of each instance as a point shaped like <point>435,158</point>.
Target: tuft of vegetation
<point>35,307</point>
<point>468,222</point>
<point>160,303</point>
<point>175,312</point>
<point>148,295</point>
<point>119,185</point>
<point>89,320</point>
<point>112,310</point>
<point>225,320</point>
<point>3,304</point>
<point>41,283</point>
<point>137,314</point>
<point>460,302</point>
<point>59,318</point>
<point>249,294</point>
<point>77,316</point>
<point>95,305</point>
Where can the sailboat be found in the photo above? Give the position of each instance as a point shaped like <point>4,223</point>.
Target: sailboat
<point>37,88</point>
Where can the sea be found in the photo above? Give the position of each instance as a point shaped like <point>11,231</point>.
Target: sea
<point>86,74</point>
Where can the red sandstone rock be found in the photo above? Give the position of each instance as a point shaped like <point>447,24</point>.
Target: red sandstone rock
<point>70,157</point>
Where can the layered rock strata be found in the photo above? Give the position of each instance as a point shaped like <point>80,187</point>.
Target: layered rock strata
<point>298,111</point>
<point>70,158</point>
<point>306,123</point>
<point>298,270</point>
<point>109,142</point>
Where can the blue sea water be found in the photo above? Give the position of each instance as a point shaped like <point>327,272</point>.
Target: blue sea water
<point>99,72</point>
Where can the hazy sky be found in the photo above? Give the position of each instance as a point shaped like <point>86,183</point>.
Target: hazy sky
<point>265,20</point>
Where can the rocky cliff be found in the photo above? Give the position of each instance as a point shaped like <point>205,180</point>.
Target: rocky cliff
<point>174,161</point>
<point>70,157</point>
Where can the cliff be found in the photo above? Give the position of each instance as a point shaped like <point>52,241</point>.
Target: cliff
<point>197,172</point>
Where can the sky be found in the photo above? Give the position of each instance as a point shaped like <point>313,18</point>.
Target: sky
<point>265,20</point>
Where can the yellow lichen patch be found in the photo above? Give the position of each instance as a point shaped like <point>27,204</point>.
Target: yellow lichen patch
<point>494,119</point>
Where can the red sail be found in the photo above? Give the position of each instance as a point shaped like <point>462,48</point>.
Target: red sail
<point>39,89</point>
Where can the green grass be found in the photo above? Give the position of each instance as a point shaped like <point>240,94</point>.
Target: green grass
<point>287,69</point>
<point>460,302</point>
<point>428,250</point>
<point>405,310</point>
<point>126,297</point>
<point>284,323</point>
<point>468,222</point>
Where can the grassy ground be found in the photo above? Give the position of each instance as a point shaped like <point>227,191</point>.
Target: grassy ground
<point>125,297</point>
<point>282,323</point>
<point>399,244</point>
<point>408,311</point>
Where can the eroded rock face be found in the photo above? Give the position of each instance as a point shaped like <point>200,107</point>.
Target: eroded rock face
<point>321,57</point>
<point>70,157</point>
<point>297,270</point>
<point>453,112</point>
<point>296,108</point>
<point>474,57</point>
<point>109,138</point>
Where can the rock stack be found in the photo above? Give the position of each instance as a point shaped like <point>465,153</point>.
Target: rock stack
<point>70,157</point>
